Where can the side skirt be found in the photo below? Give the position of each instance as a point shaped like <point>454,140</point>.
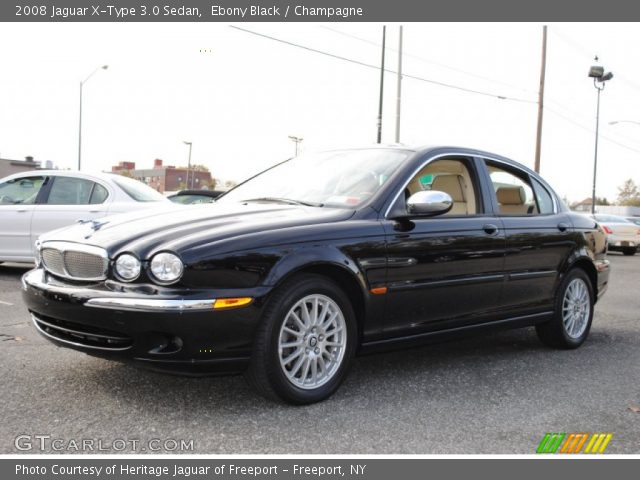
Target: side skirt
<point>452,333</point>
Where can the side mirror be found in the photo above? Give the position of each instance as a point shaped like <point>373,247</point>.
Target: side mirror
<point>429,203</point>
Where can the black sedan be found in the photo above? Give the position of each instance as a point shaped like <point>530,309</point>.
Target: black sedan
<point>295,271</point>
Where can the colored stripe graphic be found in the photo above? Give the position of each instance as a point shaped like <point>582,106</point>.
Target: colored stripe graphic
<point>550,443</point>
<point>598,443</point>
<point>573,443</point>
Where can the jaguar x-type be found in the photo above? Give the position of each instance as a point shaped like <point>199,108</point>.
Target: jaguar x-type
<point>291,274</point>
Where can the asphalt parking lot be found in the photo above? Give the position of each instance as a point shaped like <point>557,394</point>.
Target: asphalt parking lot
<point>499,393</point>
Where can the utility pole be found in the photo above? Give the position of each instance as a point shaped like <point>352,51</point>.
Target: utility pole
<point>543,68</point>
<point>399,89</point>
<point>384,36</point>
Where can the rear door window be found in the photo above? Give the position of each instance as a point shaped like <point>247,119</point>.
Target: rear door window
<point>70,191</point>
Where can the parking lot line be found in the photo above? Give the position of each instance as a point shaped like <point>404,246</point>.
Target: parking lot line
<point>6,303</point>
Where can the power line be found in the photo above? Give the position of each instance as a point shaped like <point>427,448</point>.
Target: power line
<point>426,60</point>
<point>433,82</point>
<point>590,130</point>
<point>584,51</point>
<point>368,65</point>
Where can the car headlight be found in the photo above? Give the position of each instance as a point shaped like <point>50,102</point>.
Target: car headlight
<point>166,267</point>
<point>127,267</point>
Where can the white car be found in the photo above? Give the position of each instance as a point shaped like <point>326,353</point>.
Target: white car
<point>35,202</point>
<point>622,235</point>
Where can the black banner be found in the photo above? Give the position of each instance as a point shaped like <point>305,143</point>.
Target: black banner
<point>326,469</point>
<point>316,11</point>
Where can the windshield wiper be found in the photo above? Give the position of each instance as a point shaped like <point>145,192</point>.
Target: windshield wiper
<point>284,200</point>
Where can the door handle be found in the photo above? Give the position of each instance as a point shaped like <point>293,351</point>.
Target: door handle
<point>490,229</point>
<point>563,227</point>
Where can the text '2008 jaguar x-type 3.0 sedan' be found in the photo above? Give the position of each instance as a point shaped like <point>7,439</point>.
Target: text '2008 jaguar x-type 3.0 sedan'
<point>292,273</point>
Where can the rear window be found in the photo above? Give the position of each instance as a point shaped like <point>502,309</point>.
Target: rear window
<point>138,190</point>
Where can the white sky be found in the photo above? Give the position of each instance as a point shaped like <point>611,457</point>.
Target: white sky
<point>240,98</point>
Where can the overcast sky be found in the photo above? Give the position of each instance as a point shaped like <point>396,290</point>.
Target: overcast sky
<point>238,96</point>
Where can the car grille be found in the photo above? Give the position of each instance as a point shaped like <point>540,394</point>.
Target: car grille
<point>75,261</point>
<point>81,335</point>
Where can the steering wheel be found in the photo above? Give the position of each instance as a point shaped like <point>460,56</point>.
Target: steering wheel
<point>4,199</point>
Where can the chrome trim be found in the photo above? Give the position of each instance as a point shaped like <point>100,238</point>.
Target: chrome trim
<point>64,247</point>
<point>78,332</point>
<point>154,304</point>
<point>36,322</point>
<point>469,155</point>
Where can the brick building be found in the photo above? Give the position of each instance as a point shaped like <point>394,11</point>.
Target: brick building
<point>166,178</point>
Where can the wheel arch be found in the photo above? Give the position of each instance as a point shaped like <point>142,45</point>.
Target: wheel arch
<point>346,275</point>
<point>586,264</point>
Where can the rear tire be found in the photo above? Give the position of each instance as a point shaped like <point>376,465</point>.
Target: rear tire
<point>573,313</point>
<point>305,341</point>
<point>629,251</point>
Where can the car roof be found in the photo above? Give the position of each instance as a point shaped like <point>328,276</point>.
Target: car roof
<point>66,173</point>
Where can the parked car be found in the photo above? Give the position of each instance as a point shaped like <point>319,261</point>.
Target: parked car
<point>35,202</point>
<point>622,235</point>
<point>317,259</point>
<point>190,197</point>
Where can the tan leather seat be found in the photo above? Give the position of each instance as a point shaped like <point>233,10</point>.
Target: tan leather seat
<point>455,187</point>
<point>512,200</point>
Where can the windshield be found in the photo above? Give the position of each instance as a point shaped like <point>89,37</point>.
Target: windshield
<point>138,190</point>
<point>345,178</point>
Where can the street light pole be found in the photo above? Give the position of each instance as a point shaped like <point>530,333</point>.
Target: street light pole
<point>599,79</point>
<point>103,67</point>
<point>297,141</point>
<point>189,186</point>
<point>595,156</point>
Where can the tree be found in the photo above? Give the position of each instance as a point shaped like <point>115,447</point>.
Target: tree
<point>196,168</point>
<point>125,173</point>
<point>628,194</point>
<point>602,201</point>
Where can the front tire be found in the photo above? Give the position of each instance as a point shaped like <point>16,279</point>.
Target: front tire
<point>305,342</point>
<point>629,251</point>
<point>573,313</point>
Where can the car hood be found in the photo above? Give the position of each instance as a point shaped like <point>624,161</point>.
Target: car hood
<point>179,228</point>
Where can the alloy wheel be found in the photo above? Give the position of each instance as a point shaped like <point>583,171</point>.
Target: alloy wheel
<point>312,341</point>
<point>576,308</point>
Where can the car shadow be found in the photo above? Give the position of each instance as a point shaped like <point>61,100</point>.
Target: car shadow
<point>387,373</point>
<point>11,271</point>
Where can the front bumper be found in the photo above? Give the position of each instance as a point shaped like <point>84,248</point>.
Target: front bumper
<point>162,328</point>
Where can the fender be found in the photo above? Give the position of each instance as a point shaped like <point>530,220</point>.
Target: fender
<point>349,273</point>
<point>303,257</point>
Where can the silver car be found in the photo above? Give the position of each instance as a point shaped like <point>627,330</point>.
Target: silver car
<point>35,202</point>
<point>622,235</point>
